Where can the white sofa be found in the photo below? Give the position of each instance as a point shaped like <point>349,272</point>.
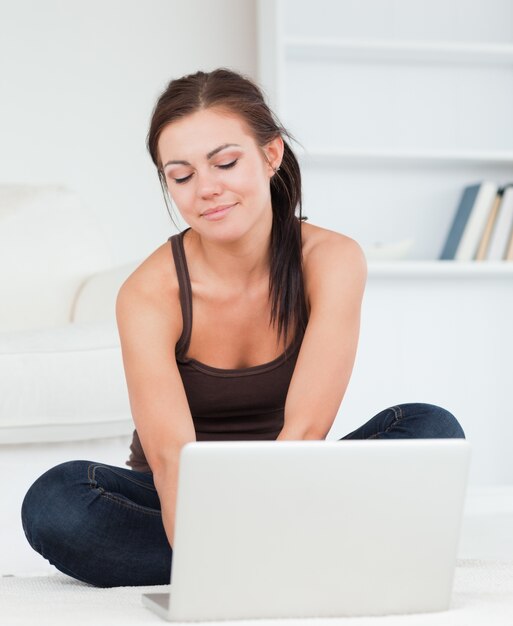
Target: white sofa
<point>62,386</point>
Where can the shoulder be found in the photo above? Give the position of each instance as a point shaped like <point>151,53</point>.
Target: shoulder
<point>330,260</point>
<point>151,294</point>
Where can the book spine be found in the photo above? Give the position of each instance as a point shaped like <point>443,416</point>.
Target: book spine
<point>501,235</point>
<point>484,244</point>
<point>460,220</point>
<point>476,222</point>
<point>508,256</point>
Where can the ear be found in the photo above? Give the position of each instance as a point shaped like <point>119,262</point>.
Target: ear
<point>274,153</point>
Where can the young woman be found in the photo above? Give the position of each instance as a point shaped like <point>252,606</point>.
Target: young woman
<point>243,326</point>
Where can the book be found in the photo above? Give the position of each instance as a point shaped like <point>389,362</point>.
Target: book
<point>469,222</point>
<point>474,228</point>
<point>509,251</point>
<point>482,250</point>
<point>466,203</point>
<point>501,235</point>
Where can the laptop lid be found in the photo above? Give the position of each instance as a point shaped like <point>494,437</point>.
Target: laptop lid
<point>269,529</point>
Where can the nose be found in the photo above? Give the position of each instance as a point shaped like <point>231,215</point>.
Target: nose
<point>208,184</point>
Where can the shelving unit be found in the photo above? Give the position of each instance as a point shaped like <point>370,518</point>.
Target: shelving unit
<point>418,118</point>
<point>332,156</point>
<point>440,269</point>
<point>397,106</point>
<point>410,51</point>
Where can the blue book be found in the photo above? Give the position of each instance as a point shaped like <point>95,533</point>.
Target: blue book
<point>460,221</point>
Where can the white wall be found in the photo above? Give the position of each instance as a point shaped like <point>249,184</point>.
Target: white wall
<point>78,82</point>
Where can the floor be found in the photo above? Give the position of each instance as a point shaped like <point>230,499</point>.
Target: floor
<point>482,594</point>
<point>487,526</point>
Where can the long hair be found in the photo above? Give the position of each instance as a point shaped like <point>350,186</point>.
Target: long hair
<point>228,90</point>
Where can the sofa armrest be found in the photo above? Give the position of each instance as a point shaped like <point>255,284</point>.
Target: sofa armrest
<point>95,300</point>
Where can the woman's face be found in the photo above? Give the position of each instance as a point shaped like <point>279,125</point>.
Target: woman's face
<point>210,161</point>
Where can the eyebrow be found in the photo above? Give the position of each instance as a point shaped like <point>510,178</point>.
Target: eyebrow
<point>209,155</point>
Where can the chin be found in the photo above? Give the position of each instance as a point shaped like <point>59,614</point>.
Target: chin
<point>223,231</point>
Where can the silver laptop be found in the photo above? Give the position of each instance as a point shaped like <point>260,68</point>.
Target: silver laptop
<point>268,529</point>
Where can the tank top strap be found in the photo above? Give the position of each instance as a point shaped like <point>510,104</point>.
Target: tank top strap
<point>184,283</point>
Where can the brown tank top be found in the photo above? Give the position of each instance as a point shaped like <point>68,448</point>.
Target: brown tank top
<point>226,404</point>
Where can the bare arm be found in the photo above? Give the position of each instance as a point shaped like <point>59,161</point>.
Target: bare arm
<point>338,274</point>
<point>149,326</point>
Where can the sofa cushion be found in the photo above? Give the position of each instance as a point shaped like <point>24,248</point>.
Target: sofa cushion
<point>48,246</point>
<point>62,384</point>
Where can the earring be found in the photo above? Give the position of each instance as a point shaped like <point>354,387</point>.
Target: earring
<point>276,169</point>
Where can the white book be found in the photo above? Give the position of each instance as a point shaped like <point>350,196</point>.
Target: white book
<point>476,223</point>
<point>502,230</point>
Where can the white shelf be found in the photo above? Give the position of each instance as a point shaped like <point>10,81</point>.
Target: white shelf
<point>402,157</point>
<point>312,49</point>
<point>440,269</point>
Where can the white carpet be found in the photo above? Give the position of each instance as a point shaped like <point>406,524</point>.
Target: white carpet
<point>482,594</point>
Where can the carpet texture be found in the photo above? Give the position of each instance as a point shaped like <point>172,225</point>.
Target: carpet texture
<point>482,594</point>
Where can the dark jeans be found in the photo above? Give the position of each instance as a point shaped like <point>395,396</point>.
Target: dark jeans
<point>102,524</point>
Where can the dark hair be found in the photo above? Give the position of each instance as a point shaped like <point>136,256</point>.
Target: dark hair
<point>228,90</point>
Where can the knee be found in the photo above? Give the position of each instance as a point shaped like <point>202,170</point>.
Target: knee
<point>439,422</point>
<point>48,503</point>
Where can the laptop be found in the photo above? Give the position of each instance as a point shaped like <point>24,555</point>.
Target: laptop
<point>284,529</point>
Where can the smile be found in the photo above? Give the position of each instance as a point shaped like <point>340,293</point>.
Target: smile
<point>218,214</point>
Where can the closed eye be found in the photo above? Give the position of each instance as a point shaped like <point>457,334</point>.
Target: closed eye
<point>226,166</point>
<point>179,181</point>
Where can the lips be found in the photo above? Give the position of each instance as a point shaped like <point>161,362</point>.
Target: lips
<point>218,208</point>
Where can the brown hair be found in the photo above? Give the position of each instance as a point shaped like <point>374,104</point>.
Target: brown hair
<point>226,89</point>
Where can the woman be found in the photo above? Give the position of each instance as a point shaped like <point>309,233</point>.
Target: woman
<point>273,298</point>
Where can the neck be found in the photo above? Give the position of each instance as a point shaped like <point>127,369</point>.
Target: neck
<point>240,264</point>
